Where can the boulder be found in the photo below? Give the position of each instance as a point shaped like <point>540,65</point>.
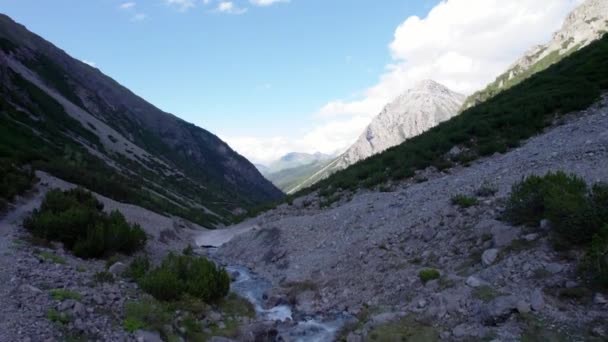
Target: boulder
<point>473,281</point>
<point>147,336</point>
<point>498,310</point>
<point>523,307</point>
<point>489,256</point>
<point>118,268</point>
<point>537,300</point>
<point>599,299</point>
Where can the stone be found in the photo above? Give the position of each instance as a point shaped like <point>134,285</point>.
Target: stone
<point>498,310</point>
<point>570,284</point>
<point>118,268</point>
<point>503,235</point>
<point>78,310</point>
<point>489,256</point>
<point>473,281</point>
<point>428,234</point>
<point>98,299</point>
<point>531,237</point>
<point>554,268</point>
<point>422,303</point>
<point>459,331</point>
<point>220,339</point>
<point>545,225</point>
<point>599,299</point>
<point>147,336</point>
<point>29,288</point>
<point>523,307</point>
<point>352,337</point>
<point>537,300</point>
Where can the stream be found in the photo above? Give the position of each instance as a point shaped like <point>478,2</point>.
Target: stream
<point>292,325</point>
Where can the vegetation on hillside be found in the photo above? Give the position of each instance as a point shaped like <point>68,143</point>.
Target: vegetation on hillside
<point>578,215</point>
<point>13,181</point>
<point>76,219</point>
<point>495,126</point>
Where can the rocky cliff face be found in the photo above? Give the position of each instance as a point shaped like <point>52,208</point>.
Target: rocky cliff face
<point>154,149</point>
<point>415,111</point>
<point>585,24</point>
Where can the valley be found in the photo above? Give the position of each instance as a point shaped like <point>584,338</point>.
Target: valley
<point>450,218</point>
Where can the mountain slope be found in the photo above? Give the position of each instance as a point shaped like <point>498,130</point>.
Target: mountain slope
<point>68,118</point>
<point>288,179</point>
<point>412,113</point>
<point>584,25</point>
<point>494,126</point>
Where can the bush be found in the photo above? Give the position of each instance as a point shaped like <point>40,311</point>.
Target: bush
<point>464,201</point>
<point>529,198</point>
<point>428,275</point>
<point>76,218</point>
<point>576,213</point>
<point>180,275</point>
<point>596,260</point>
<point>138,268</point>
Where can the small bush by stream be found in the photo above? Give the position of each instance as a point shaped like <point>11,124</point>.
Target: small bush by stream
<point>76,219</point>
<point>180,275</point>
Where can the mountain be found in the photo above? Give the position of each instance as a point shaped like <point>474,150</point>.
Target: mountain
<point>587,23</point>
<point>293,168</point>
<point>412,113</point>
<point>294,160</point>
<point>68,118</point>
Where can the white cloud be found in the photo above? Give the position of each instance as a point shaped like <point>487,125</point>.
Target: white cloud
<point>139,17</point>
<point>127,5</point>
<point>266,2</point>
<point>230,8</point>
<point>182,5</point>
<point>463,44</point>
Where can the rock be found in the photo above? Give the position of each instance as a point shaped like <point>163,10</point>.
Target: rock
<point>117,269</point>
<point>599,299</point>
<point>384,318</point>
<point>503,235</point>
<point>428,234</point>
<point>422,303</point>
<point>98,299</point>
<point>537,300</point>
<point>473,281</point>
<point>489,256</point>
<point>147,336</point>
<point>531,237</point>
<point>352,337</point>
<point>545,225</point>
<point>214,316</point>
<point>600,331</point>
<point>78,310</point>
<point>220,339</point>
<point>570,284</point>
<point>66,305</point>
<point>459,331</point>
<point>554,268</point>
<point>305,301</point>
<point>29,288</point>
<point>498,310</point>
<point>523,307</point>
<point>262,332</point>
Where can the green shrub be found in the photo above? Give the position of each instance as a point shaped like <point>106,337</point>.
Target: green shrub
<point>138,268</point>
<point>596,259</point>
<point>103,277</point>
<point>464,201</point>
<point>527,203</point>
<point>76,218</point>
<point>576,213</point>
<point>428,275</point>
<point>57,317</point>
<point>188,250</point>
<point>179,275</point>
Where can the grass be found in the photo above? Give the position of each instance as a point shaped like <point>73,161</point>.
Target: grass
<point>406,329</point>
<point>429,274</point>
<point>485,293</point>
<point>63,294</point>
<point>464,201</point>
<point>57,317</point>
<point>54,258</point>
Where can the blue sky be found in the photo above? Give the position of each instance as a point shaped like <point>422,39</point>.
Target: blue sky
<point>268,79</point>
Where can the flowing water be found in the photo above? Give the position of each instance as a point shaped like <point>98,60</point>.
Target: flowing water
<point>293,326</point>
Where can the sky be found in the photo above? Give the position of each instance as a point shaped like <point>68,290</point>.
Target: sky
<point>278,76</point>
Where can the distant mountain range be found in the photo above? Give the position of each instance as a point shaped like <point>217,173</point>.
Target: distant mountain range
<point>293,168</point>
<point>68,118</point>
